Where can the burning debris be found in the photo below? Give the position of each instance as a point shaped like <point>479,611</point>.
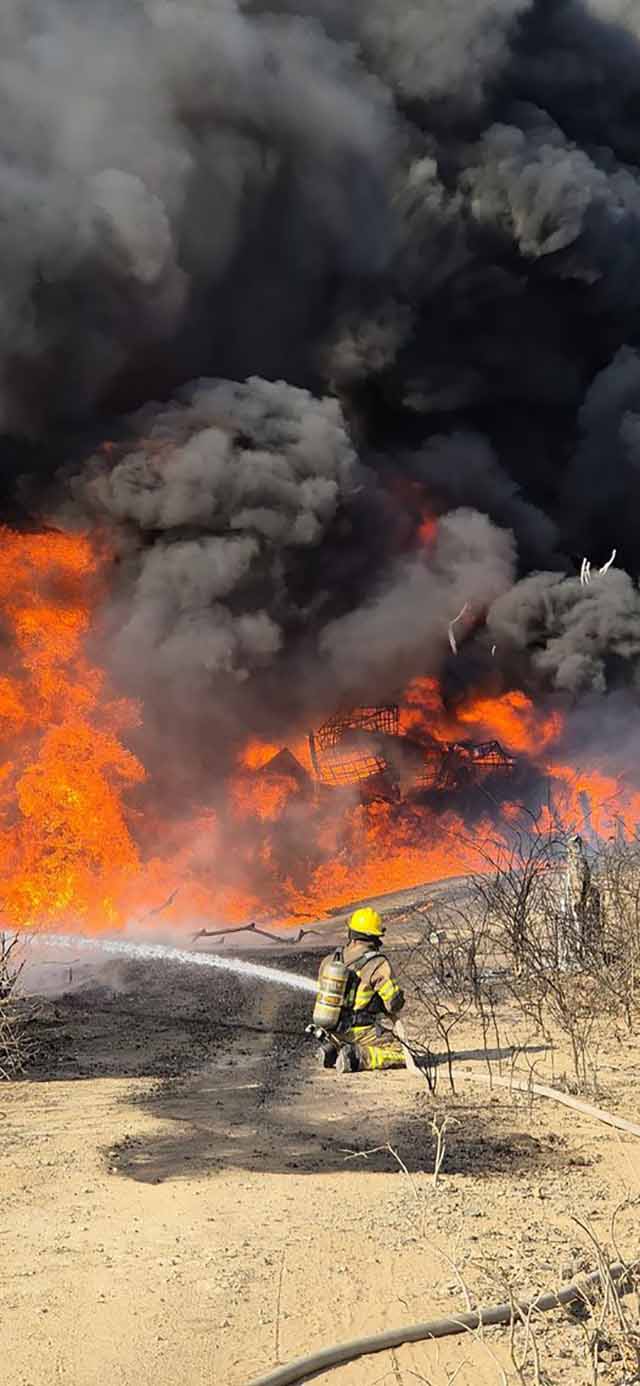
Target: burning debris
<point>388,796</point>
<point>347,750</point>
<point>284,764</point>
<point>366,748</point>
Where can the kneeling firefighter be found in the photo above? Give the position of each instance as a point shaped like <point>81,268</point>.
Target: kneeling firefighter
<point>358,999</point>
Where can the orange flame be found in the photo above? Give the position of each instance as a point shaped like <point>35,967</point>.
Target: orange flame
<point>427,529</point>
<point>423,712</point>
<point>65,846</point>
<point>82,845</point>
<point>512,719</point>
<point>257,753</point>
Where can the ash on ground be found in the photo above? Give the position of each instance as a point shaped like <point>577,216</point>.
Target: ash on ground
<point>142,1019</point>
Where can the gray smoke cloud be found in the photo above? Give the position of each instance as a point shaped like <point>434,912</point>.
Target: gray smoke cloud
<point>430,52</point>
<point>319,269</point>
<point>220,490</point>
<point>554,201</point>
<point>462,468</point>
<point>574,635</point>
<point>424,51</point>
<point>142,146</point>
<point>404,626</point>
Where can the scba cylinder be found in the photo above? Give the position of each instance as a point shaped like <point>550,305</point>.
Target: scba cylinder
<point>332,985</point>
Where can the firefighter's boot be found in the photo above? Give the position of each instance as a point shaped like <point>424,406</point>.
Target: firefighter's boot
<point>327,1054</point>
<point>348,1060</point>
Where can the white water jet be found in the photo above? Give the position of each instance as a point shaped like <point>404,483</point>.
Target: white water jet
<point>159,952</point>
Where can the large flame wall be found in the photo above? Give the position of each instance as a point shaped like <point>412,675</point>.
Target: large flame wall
<point>82,844</point>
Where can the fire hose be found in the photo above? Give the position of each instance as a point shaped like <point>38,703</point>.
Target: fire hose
<point>305,1367</point>
<point>419,1059</point>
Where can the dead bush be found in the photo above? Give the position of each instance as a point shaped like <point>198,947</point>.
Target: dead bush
<point>552,924</point>
<point>12,1047</point>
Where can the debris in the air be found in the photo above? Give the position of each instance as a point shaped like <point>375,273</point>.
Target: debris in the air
<point>585,568</point>
<point>452,638</point>
<point>585,572</point>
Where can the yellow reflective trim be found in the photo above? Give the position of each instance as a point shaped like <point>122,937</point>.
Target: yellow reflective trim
<point>388,990</point>
<point>361,1000</point>
<point>386,1058</point>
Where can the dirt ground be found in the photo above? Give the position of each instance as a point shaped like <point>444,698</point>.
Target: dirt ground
<point>188,1198</point>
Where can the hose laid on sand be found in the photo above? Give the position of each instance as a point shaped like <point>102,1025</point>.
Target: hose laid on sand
<point>540,1089</point>
<point>306,1367</point>
<point>518,1085</point>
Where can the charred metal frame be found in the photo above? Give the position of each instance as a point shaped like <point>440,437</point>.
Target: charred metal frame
<point>332,765</point>
<point>447,764</point>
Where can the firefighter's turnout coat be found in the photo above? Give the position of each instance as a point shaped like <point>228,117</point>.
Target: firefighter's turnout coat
<point>372,998</point>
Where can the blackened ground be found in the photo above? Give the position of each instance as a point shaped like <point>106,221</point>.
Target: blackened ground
<point>156,1019</point>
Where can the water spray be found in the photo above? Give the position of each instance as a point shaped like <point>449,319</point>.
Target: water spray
<point>159,952</point>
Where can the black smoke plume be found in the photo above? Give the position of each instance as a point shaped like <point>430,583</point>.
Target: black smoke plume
<point>318,270</point>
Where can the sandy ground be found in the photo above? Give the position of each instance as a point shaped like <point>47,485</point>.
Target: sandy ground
<point>184,1199</point>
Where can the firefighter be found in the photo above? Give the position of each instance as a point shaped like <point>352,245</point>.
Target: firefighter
<point>361,1032</point>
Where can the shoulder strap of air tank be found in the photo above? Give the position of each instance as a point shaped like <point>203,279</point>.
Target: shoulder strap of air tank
<point>364,957</point>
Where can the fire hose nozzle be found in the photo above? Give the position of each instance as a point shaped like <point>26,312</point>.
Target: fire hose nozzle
<point>315,1032</point>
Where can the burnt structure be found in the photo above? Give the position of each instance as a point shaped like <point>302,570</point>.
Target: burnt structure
<point>367,748</point>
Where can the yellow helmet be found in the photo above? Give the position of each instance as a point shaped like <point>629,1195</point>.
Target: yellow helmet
<point>366,921</point>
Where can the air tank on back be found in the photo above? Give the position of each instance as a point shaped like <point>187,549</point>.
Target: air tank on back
<point>332,985</point>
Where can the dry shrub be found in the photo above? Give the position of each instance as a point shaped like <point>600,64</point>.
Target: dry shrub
<point>514,932</point>
<point>12,1049</point>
